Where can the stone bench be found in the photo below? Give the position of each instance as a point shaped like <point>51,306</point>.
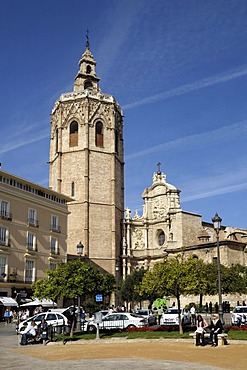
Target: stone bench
<point>221,338</point>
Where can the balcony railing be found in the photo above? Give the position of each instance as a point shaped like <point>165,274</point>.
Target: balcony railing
<point>33,222</point>
<point>5,242</point>
<point>55,251</point>
<point>6,215</point>
<point>55,228</point>
<point>29,280</point>
<point>32,247</point>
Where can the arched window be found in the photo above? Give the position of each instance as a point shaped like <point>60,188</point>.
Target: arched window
<point>72,189</point>
<point>161,237</point>
<point>88,69</point>
<point>88,84</point>
<point>73,134</point>
<point>99,134</point>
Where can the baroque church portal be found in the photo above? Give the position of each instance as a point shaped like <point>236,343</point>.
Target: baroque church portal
<point>87,164</point>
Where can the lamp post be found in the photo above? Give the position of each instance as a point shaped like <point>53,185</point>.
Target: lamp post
<point>79,248</point>
<point>217,223</point>
<point>117,293</point>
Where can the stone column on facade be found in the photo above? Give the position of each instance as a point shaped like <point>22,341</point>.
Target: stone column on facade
<point>128,239</point>
<point>146,236</point>
<point>128,268</point>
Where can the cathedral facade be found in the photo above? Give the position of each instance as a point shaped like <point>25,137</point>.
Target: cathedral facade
<point>164,230</point>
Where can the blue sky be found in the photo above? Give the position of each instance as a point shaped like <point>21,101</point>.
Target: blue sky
<point>177,68</point>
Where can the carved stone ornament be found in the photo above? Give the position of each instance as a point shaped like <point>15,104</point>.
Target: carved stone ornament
<point>137,239</point>
<point>159,210</point>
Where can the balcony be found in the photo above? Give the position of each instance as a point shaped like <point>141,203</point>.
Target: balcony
<point>6,215</point>
<point>32,222</point>
<point>54,251</point>
<point>31,247</point>
<point>55,228</point>
<point>5,243</point>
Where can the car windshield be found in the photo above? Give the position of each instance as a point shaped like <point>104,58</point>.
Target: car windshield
<point>172,311</point>
<point>134,315</point>
<point>40,317</point>
<point>240,310</point>
<point>142,312</point>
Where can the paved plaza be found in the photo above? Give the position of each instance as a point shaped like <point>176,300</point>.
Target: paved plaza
<point>118,354</point>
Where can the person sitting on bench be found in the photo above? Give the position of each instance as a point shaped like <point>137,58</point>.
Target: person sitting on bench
<point>216,328</point>
<point>28,332</point>
<point>201,324</point>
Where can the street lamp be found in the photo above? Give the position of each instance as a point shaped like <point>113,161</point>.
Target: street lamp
<point>217,223</point>
<point>79,247</point>
<point>117,276</point>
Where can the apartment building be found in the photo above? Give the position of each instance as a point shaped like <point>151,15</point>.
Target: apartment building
<point>33,233</point>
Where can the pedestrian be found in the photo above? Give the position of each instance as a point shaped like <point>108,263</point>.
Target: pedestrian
<point>206,307</point>
<point>7,316</point>
<point>193,315</point>
<point>216,328</point>
<point>216,306</point>
<point>210,306</point>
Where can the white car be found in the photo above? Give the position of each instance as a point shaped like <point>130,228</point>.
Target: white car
<point>52,318</point>
<point>117,320</point>
<point>239,315</point>
<point>170,317</point>
<point>148,314</point>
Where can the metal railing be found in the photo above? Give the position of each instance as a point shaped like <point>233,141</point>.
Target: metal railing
<point>6,215</point>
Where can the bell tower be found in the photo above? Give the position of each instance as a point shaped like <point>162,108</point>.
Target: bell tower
<point>87,164</point>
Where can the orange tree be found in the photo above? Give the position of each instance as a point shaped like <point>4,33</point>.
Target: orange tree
<point>175,276</point>
<point>72,279</point>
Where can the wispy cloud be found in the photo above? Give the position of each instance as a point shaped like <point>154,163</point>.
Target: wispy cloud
<point>186,89</point>
<point>22,142</point>
<point>218,191</point>
<point>191,141</point>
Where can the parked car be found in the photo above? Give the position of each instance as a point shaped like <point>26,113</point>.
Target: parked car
<point>170,317</point>
<point>102,312</point>
<point>116,321</point>
<point>239,315</point>
<point>52,318</point>
<point>148,314</point>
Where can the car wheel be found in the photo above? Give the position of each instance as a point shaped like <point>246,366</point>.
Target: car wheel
<point>130,326</point>
<point>91,329</point>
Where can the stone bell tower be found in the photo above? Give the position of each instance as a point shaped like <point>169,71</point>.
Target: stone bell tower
<point>87,164</point>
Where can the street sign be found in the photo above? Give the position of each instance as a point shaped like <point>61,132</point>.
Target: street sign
<point>99,298</point>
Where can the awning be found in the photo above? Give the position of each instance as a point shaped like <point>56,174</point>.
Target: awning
<point>42,302</point>
<point>7,301</point>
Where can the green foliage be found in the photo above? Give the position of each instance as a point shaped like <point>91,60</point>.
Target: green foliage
<point>130,288</point>
<point>233,279</point>
<point>174,277</point>
<point>72,279</point>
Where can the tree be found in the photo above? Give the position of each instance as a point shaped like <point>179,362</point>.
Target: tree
<point>130,288</point>
<point>233,279</point>
<point>72,279</point>
<point>175,276</point>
